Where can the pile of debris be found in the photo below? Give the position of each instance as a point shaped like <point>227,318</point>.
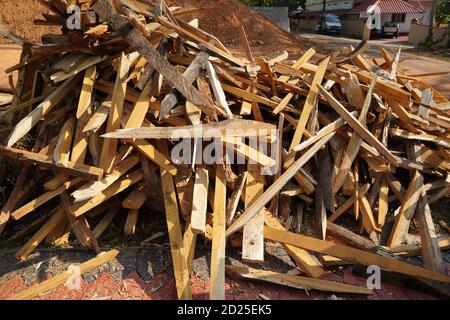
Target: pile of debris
<point>140,106</point>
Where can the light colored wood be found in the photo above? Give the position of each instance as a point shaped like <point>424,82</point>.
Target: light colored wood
<point>36,203</point>
<point>200,201</point>
<point>441,141</point>
<point>71,168</point>
<point>116,188</point>
<point>27,123</point>
<point>253,233</point>
<point>219,94</point>
<point>296,282</point>
<point>39,236</point>
<point>189,243</point>
<point>56,182</point>
<point>140,108</point>
<point>92,188</point>
<point>233,201</point>
<point>135,199</point>
<point>253,155</point>
<point>407,209</point>
<point>86,91</point>
<point>61,154</point>
<point>98,118</point>
<point>105,221</point>
<point>354,145</point>
<point>310,102</point>
<point>80,141</point>
<point>351,254</point>
<point>217,279</point>
<point>231,128</point>
<point>302,258</point>
<point>367,216</point>
<point>275,188</point>
<point>62,278</point>
<point>175,235</point>
<point>110,145</point>
<point>429,242</point>
<point>79,225</point>
<point>383,203</point>
<point>130,224</point>
<point>347,204</point>
<point>150,152</point>
<point>84,64</point>
<point>358,127</point>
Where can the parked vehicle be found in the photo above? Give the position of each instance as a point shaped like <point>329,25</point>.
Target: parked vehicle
<point>391,29</point>
<point>329,23</point>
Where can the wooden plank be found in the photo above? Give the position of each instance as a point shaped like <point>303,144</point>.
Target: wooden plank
<point>233,201</point>
<point>130,224</point>
<point>105,221</point>
<point>302,258</point>
<point>151,153</point>
<point>92,188</point>
<point>39,201</point>
<point>296,282</point>
<point>217,279</point>
<point>140,43</point>
<point>115,114</point>
<point>383,204</point>
<point>354,145</point>
<point>62,278</point>
<point>253,235</point>
<point>429,242</point>
<point>189,243</point>
<point>358,127</point>
<point>61,154</point>
<point>351,254</point>
<point>73,169</point>
<point>200,201</point>
<point>80,141</point>
<point>230,128</point>
<point>39,236</point>
<point>80,225</point>
<point>86,91</point>
<point>191,74</point>
<point>407,209</point>
<point>116,188</point>
<point>219,94</point>
<point>175,235</point>
<point>275,188</point>
<point>27,123</point>
<point>347,204</point>
<point>311,100</point>
<point>135,199</point>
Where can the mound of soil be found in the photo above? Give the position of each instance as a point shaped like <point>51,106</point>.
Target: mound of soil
<point>220,18</point>
<point>18,16</point>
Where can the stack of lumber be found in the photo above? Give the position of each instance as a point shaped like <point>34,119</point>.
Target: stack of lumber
<point>97,114</point>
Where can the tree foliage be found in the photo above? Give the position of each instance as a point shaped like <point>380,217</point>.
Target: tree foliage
<point>443,11</point>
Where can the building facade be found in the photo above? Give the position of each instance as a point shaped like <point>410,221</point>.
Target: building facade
<point>354,12</point>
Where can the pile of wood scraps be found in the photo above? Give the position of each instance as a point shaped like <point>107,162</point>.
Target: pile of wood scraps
<point>137,106</point>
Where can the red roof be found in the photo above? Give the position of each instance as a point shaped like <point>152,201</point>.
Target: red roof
<point>385,6</point>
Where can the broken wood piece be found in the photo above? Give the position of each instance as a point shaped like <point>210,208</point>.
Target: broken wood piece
<point>62,278</point>
<point>297,282</point>
<point>71,168</point>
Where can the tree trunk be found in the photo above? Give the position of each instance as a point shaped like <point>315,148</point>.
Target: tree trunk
<point>431,23</point>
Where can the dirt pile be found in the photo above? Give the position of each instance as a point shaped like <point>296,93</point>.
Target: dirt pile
<point>215,16</point>
<point>19,16</point>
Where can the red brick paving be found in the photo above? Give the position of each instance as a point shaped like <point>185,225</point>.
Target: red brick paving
<point>132,287</point>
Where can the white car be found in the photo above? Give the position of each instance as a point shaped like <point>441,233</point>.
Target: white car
<point>390,29</point>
